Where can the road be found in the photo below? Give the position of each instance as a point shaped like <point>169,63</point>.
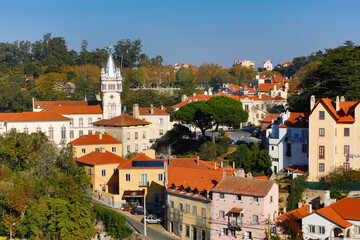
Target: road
<point>138,226</point>
<point>241,134</point>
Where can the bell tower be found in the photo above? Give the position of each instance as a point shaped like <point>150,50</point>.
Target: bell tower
<point>111,88</point>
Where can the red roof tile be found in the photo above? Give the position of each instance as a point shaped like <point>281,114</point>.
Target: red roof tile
<point>98,158</point>
<point>296,120</point>
<point>95,139</point>
<point>94,109</point>
<point>33,117</point>
<point>298,213</point>
<point>121,121</point>
<point>139,157</point>
<point>265,87</point>
<point>246,186</point>
<point>157,111</point>
<point>271,116</point>
<point>202,97</point>
<point>45,104</point>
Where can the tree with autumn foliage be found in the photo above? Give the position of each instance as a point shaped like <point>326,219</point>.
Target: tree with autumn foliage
<point>292,226</point>
<point>243,74</point>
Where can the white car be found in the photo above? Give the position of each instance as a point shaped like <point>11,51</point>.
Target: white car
<point>153,219</point>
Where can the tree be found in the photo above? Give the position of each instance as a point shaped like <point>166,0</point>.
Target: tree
<point>207,151</point>
<point>222,77</point>
<point>217,110</point>
<point>144,60</point>
<point>128,52</point>
<point>243,74</point>
<point>206,72</point>
<point>141,77</point>
<point>178,133</point>
<point>186,81</point>
<point>251,159</point>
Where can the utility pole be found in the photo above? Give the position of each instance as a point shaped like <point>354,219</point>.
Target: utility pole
<point>144,214</point>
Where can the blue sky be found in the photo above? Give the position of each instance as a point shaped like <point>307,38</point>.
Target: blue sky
<point>190,31</point>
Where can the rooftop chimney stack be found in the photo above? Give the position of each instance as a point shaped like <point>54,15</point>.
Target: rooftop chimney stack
<point>222,164</point>
<point>136,111</point>
<point>342,99</point>
<point>197,160</point>
<point>102,150</point>
<point>162,108</point>
<point>100,136</point>
<point>152,109</point>
<point>215,164</point>
<point>312,102</point>
<point>337,104</point>
<point>310,208</point>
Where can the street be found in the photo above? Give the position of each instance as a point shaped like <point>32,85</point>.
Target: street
<point>138,226</point>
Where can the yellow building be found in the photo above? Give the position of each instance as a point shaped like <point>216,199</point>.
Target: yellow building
<point>132,132</point>
<point>89,143</point>
<point>188,208</point>
<point>334,128</point>
<point>142,175</point>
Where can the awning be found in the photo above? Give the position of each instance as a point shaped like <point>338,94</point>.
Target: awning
<point>236,210</point>
<point>133,194</point>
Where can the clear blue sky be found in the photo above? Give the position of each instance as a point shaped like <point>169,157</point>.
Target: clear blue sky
<point>190,31</point>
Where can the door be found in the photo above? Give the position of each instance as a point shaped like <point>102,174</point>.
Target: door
<point>144,179</point>
<point>194,233</point>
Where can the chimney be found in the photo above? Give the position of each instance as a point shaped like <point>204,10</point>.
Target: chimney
<point>162,108</point>
<point>284,210</point>
<point>222,164</point>
<point>300,204</point>
<point>136,110</point>
<point>327,200</point>
<point>241,172</point>
<point>197,160</point>
<point>337,104</point>
<point>183,98</point>
<point>342,99</point>
<point>152,109</point>
<point>233,164</point>
<point>194,94</point>
<point>102,150</point>
<point>249,175</point>
<point>224,172</point>
<point>312,102</point>
<point>215,164</point>
<point>310,208</point>
<point>100,136</point>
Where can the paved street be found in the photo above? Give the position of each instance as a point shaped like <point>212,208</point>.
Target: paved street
<point>154,231</point>
<point>241,134</point>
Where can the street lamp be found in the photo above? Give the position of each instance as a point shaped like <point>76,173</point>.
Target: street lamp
<point>11,230</point>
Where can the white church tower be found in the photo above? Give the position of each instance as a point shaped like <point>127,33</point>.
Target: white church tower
<point>111,88</point>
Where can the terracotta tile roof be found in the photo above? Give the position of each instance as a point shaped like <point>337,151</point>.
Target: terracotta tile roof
<point>236,210</point>
<point>265,87</point>
<point>202,97</point>
<point>140,157</point>
<point>157,111</point>
<point>271,116</point>
<point>262,97</point>
<point>32,117</point>
<point>298,213</point>
<point>262,177</point>
<point>121,121</point>
<point>246,186</point>
<point>287,63</point>
<point>234,88</point>
<point>192,163</point>
<point>92,109</point>
<point>98,158</point>
<point>95,140</point>
<point>296,120</point>
<point>45,104</point>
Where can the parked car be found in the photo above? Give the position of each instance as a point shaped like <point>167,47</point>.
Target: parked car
<point>256,133</point>
<point>243,142</point>
<point>137,211</point>
<point>152,219</point>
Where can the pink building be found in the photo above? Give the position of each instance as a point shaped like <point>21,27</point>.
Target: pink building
<point>243,207</point>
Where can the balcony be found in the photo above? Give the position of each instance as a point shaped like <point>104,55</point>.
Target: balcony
<point>236,223</point>
<point>143,184</point>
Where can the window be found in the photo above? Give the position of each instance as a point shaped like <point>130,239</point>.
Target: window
<point>144,181</point>
<point>255,219</point>
<point>38,129</point>
<point>195,210</point>
<point>346,149</point>
<point>187,232</point>
<point>115,135</point>
<point>246,107</point>
<point>160,177</point>
<point>322,152</point>
<point>83,150</point>
<point>113,149</point>
<point>321,115</point>
<point>71,133</point>
<point>144,146</point>
<point>248,235</point>
<point>239,197</point>
<point>321,229</point>
<point>271,198</point>
<point>180,227</point>
<point>161,121</point>
<point>136,148</point>
<point>288,133</point>
<point>161,132</point>
<point>321,167</point>
<point>257,116</point>
<point>144,134</point>
<point>128,148</point>
<point>127,177</point>
<point>304,148</point>
<point>203,212</point>
<point>288,149</point>
<point>71,122</point>
<point>221,195</point>
<point>128,136</point>
<point>272,148</point>
<point>51,133</point>
<point>312,228</point>
<point>136,135</point>
<point>80,122</point>
<point>346,166</point>
<point>256,199</point>
<point>26,130</point>
<point>296,135</point>
<point>89,171</point>
<point>90,122</point>
<point>63,132</point>
<point>346,132</point>
<point>275,159</point>
<point>187,208</point>
<point>90,132</point>
<point>232,232</point>
<point>322,132</point>
<point>357,229</point>
<point>304,133</point>
<point>116,189</point>
<point>81,133</point>
<point>116,172</point>
<point>224,232</point>
<point>181,207</point>
<point>172,204</point>
<point>103,189</point>
<point>221,214</point>
<point>103,172</point>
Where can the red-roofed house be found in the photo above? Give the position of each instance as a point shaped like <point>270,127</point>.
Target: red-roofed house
<point>287,140</point>
<point>89,143</point>
<point>333,135</point>
<point>287,64</point>
<point>340,220</point>
<point>243,207</point>
<point>268,65</point>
